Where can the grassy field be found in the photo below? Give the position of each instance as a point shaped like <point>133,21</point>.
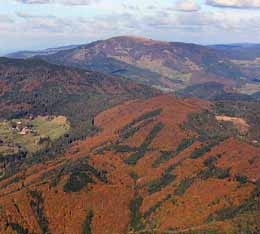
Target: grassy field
<point>54,128</point>
<point>41,131</point>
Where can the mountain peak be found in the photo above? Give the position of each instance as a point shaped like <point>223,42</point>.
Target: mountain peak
<point>134,38</point>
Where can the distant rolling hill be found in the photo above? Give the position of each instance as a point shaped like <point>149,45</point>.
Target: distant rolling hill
<point>243,51</point>
<point>247,57</point>
<point>168,66</point>
<point>214,91</point>
<point>30,54</point>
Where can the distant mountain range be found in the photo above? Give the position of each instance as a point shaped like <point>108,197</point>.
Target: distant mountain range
<point>29,54</point>
<point>168,66</point>
<point>235,45</point>
<point>165,65</point>
<point>243,51</point>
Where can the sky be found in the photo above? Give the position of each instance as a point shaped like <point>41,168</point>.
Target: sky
<point>38,24</point>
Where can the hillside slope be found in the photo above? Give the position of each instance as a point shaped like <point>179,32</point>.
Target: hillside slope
<point>165,65</point>
<point>45,107</point>
<point>162,165</point>
<point>247,57</point>
<point>37,87</point>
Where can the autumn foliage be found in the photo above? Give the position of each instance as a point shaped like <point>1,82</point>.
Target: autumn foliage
<point>139,173</point>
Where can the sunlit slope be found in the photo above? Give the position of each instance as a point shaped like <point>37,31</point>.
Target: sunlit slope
<point>164,65</point>
<point>162,165</point>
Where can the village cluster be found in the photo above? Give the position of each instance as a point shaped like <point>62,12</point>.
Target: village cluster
<point>22,128</point>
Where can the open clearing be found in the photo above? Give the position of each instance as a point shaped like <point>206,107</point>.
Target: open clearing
<point>239,123</point>
<point>32,134</point>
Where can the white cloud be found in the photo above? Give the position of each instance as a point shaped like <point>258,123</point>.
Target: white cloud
<point>63,2</point>
<point>34,1</point>
<point>153,20</point>
<point>77,2</point>
<point>247,4</point>
<point>187,5</point>
<point>155,24</point>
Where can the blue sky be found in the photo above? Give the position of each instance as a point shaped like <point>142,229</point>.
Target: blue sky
<point>37,24</point>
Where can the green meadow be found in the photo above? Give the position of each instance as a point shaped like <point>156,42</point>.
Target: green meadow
<point>31,135</point>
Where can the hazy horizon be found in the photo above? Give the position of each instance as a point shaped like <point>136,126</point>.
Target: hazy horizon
<point>83,43</point>
<point>40,24</point>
